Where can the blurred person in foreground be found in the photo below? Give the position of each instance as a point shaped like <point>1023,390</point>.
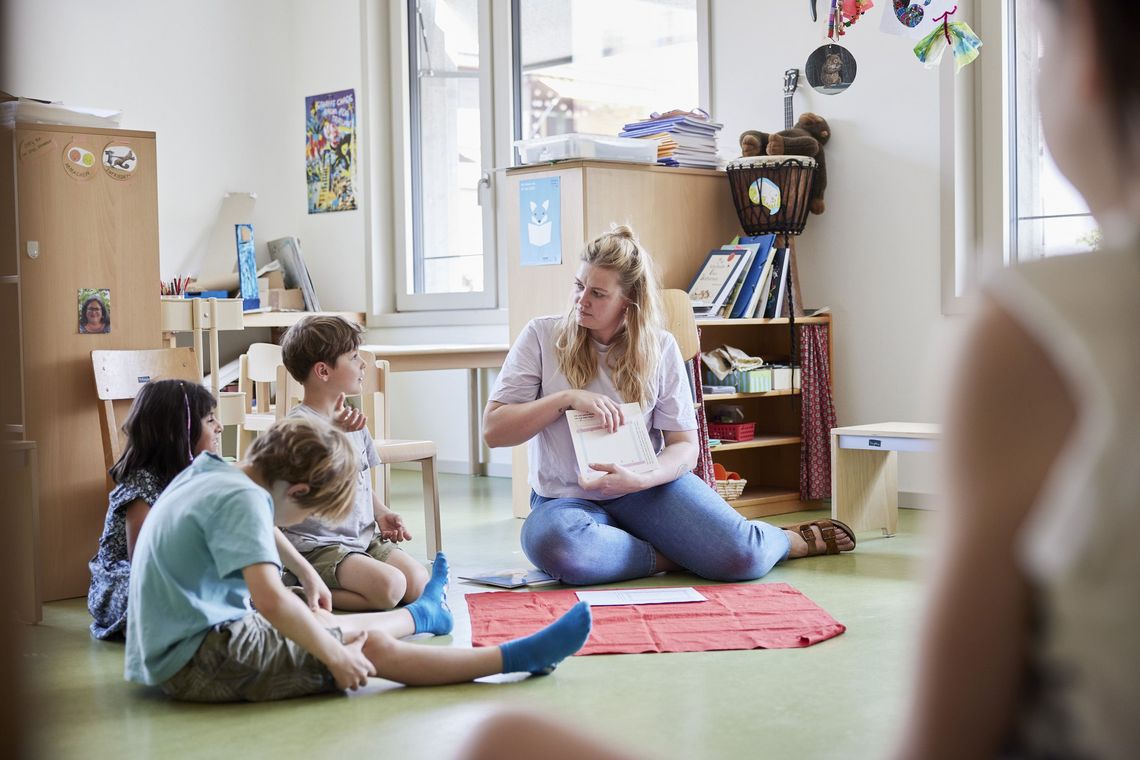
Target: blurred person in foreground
<point>1030,647</point>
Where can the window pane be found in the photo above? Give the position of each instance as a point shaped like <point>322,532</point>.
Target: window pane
<point>1037,238</point>
<point>594,65</point>
<point>1050,216</point>
<point>448,254</point>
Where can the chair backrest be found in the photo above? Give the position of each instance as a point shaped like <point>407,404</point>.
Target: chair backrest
<point>374,394</point>
<point>118,377</point>
<point>678,319</point>
<point>289,392</point>
<point>256,373</point>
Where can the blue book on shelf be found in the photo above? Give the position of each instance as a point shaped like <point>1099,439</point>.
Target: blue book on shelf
<point>247,266</point>
<point>764,245</point>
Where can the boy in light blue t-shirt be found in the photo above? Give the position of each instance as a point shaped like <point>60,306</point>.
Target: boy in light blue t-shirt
<point>208,549</point>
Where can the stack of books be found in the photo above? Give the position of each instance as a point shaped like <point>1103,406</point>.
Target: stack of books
<point>747,279</point>
<point>683,138</point>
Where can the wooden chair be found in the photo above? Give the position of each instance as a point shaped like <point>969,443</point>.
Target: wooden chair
<point>257,371</point>
<point>118,377</point>
<point>677,315</point>
<point>373,401</point>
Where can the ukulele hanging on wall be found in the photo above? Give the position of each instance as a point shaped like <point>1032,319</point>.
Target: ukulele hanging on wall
<point>791,83</point>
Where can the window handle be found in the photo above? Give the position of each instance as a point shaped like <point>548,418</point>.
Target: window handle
<point>484,183</point>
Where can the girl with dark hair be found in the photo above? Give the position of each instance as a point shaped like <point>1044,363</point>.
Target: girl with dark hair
<point>170,423</point>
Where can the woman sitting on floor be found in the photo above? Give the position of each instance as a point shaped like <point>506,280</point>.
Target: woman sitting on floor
<point>605,351</point>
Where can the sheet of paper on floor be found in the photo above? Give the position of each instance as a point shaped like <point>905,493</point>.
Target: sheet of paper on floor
<point>615,597</point>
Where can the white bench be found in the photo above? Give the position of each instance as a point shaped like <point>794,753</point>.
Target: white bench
<point>864,471</point>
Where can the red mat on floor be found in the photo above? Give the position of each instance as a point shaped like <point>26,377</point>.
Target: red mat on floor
<point>735,616</point>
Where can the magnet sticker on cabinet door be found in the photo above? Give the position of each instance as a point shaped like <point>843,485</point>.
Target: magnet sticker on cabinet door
<point>119,160</point>
<point>35,145</point>
<point>78,161</point>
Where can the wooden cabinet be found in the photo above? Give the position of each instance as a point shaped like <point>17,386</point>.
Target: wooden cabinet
<point>76,223</point>
<point>771,460</point>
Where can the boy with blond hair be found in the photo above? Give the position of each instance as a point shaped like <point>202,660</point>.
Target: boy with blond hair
<point>357,558</point>
<point>207,550</point>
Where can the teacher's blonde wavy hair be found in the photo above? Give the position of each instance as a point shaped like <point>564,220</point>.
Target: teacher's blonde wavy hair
<point>635,350</point>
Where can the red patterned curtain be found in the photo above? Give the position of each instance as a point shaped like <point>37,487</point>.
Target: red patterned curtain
<point>817,413</point>
<point>704,468</point>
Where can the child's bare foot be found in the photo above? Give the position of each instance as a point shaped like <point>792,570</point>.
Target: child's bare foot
<point>819,537</point>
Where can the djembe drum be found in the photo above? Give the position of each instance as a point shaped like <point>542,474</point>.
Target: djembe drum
<point>771,193</point>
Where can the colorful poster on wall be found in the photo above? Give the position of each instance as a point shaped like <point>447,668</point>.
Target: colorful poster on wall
<point>540,222</point>
<point>330,151</point>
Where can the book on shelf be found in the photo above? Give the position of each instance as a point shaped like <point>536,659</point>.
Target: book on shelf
<point>511,578</point>
<point>749,253</point>
<point>746,303</point>
<point>782,302</point>
<point>760,295</point>
<point>714,281</point>
<point>629,446</point>
<point>247,267</point>
<point>778,259</point>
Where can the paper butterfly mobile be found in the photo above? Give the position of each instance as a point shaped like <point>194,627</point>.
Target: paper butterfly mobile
<point>955,35</point>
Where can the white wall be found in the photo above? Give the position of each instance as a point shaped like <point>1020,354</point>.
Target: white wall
<point>873,256</point>
<point>223,84</point>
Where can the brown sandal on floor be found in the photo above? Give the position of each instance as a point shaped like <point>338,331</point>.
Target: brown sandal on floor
<point>827,531</point>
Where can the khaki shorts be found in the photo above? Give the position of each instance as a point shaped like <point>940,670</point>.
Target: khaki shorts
<point>326,559</point>
<point>249,660</point>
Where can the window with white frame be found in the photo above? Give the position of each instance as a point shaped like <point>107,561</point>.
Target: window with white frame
<point>1047,215</point>
<point>594,65</point>
<point>582,66</point>
<point>449,261</point>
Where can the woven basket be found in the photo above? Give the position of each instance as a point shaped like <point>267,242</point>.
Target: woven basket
<point>730,489</point>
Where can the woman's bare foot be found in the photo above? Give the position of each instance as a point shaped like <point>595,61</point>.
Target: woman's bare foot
<point>844,541</point>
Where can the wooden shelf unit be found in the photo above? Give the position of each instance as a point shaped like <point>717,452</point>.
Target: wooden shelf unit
<point>771,460</point>
<point>759,441</point>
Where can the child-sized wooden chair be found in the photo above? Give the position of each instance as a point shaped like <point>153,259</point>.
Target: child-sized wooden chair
<point>679,320</point>
<point>257,371</point>
<point>373,401</point>
<point>118,377</point>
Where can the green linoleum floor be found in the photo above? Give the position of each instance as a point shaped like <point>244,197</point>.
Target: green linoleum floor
<point>840,698</point>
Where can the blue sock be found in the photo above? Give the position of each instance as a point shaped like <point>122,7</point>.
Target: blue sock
<point>430,612</point>
<point>540,652</point>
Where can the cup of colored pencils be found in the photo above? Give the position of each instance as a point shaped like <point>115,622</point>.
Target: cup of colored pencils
<point>175,287</point>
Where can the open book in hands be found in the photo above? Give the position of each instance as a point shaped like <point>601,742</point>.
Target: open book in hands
<point>629,447</point>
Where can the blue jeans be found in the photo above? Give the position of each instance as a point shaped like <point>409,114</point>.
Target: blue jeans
<point>583,542</point>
